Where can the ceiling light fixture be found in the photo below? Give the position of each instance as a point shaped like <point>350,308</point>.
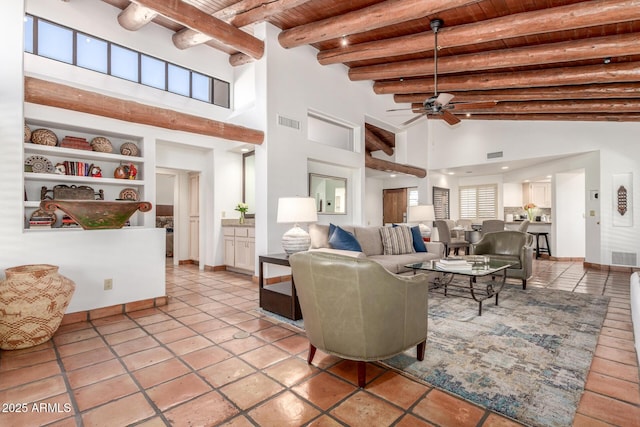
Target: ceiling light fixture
<point>505,167</point>
<point>468,114</point>
<point>344,41</point>
<point>607,60</point>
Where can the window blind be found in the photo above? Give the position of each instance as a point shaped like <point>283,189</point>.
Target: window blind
<point>441,202</point>
<point>479,201</point>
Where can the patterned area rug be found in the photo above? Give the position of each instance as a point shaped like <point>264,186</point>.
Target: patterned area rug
<point>527,358</point>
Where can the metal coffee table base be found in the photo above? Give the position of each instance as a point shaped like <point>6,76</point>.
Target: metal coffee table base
<point>478,291</point>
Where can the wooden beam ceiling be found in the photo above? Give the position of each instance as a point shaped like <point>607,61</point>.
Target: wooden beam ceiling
<point>552,53</point>
<point>592,74</point>
<point>375,16</point>
<point>508,51</point>
<point>193,18</point>
<point>563,18</point>
<point>44,92</point>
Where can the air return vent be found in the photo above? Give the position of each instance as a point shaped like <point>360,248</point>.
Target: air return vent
<point>290,123</point>
<point>494,155</point>
<point>624,258</point>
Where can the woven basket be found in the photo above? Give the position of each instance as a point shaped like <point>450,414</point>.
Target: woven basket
<point>44,137</point>
<point>129,149</point>
<point>33,299</point>
<point>27,133</point>
<point>101,144</point>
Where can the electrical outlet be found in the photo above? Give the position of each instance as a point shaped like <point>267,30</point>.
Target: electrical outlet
<point>108,284</point>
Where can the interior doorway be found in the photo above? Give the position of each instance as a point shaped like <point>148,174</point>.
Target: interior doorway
<point>394,205</point>
<point>179,192</point>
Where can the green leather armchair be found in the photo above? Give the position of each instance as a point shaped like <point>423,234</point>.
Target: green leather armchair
<point>514,246</point>
<point>355,309</point>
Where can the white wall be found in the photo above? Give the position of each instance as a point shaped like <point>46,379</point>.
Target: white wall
<point>569,227</point>
<point>164,189</point>
<point>600,148</point>
<point>296,83</point>
<point>133,258</point>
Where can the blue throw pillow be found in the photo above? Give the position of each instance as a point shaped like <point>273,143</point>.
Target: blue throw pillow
<point>342,239</point>
<point>418,243</point>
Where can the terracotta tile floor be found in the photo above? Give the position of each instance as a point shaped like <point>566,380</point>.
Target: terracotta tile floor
<point>210,358</point>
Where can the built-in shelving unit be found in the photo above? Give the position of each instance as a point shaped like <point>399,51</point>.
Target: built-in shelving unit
<point>111,187</point>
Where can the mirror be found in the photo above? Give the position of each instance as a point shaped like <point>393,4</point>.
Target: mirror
<point>330,193</point>
<point>249,182</point>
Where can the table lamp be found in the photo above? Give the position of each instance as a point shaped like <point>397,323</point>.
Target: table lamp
<point>296,210</point>
<point>422,213</point>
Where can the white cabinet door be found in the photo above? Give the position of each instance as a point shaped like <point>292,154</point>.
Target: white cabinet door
<point>229,251</point>
<point>540,194</point>
<point>245,248</point>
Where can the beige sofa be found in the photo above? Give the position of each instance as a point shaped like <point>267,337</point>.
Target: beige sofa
<point>370,241</point>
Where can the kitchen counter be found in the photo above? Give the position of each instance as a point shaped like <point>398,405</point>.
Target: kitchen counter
<point>530,223</point>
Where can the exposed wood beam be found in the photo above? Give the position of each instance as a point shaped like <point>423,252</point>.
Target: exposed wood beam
<point>592,91</point>
<point>586,117</point>
<point>369,18</point>
<point>387,136</point>
<point>562,18</point>
<point>573,106</point>
<point>375,143</point>
<point>385,165</point>
<point>261,10</point>
<point>135,16</point>
<point>574,50</point>
<point>62,96</point>
<point>623,72</point>
<point>194,18</point>
<point>239,15</point>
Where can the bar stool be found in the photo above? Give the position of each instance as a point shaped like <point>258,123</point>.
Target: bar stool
<point>546,249</point>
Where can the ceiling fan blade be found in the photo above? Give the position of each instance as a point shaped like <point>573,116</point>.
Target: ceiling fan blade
<point>408,122</point>
<point>400,109</point>
<point>450,118</point>
<point>480,105</point>
<point>444,98</point>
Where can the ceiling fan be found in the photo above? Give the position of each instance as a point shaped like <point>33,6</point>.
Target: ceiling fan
<point>440,103</point>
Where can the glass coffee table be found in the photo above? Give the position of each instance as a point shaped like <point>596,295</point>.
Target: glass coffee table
<point>480,278</point>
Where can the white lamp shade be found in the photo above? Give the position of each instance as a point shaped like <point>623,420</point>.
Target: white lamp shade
<point>421,213</point>
<point>296,210</point>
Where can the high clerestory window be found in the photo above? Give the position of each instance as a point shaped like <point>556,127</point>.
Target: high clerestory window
<point>50,40</point>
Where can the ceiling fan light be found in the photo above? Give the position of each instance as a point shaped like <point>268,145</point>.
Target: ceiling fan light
<point>444,98</point>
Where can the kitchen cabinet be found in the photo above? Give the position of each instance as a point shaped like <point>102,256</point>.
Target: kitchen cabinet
<point>538,193</point>
<point>239,248</point>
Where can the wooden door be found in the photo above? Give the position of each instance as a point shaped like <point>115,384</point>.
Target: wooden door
<point>394,205</point>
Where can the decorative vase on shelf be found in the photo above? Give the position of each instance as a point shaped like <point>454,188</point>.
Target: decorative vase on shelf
<point>33,299</point>
<point>241,220</point>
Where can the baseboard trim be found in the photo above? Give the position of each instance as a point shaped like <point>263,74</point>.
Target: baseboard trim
<point>605,267</point>
<point>87,315</point>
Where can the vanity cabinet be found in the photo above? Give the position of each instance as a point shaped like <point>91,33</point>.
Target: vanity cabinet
<point>239,247</point>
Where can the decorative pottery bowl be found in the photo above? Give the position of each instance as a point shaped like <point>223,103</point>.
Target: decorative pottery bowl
<point>97,214</point>
<point>129,149</point>
<point>44,137</point>
<point>101,144</point>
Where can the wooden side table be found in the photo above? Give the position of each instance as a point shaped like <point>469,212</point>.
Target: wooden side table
<point>279,298</point>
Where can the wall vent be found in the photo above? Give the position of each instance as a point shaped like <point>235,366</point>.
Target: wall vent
<point>290,123</point>
<point>624,258</point>
<point>494,155</point>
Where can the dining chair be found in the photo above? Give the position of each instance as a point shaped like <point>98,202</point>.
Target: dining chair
<point>444,236</point>
<point>524,225</point>
<point>491,225</point>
